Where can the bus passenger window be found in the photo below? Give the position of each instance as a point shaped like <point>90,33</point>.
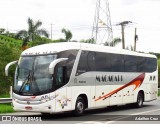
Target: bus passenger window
<point>86,62</point>
<point>151,64</point>
<point>141,64</point>
<point>117,63</point>
<point>91,61</point>
<point>130,63</point>
<point>103,62</point>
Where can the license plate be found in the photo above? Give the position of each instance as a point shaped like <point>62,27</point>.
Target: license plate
<point>28,107</point>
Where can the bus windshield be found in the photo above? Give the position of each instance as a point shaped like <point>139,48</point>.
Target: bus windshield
<point>32,75</point>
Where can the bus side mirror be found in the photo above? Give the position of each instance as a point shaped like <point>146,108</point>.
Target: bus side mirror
<point>8,66</point>
<point>54,63</point>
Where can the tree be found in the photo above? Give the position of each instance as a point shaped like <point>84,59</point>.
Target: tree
<point>90,40</point>
<point>33,32</point>
<point>2,30</point>
<point>113,43</point>
<point>6,33</point>
<point>68,35</point>
<point>8,54</point>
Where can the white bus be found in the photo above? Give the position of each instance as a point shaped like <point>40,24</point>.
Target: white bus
<point>71,76</point>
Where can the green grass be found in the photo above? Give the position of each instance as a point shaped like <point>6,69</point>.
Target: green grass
<point>4,95</point>
<point>159,92</point>
<point>6,108</point>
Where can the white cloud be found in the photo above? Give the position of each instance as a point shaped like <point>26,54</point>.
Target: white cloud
<point>77,15</point>
<point>144,14</point>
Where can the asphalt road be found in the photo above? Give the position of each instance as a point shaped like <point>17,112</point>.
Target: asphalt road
<point>149,113</point>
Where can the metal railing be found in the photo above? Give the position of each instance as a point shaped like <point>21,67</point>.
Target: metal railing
<point>7,100</point>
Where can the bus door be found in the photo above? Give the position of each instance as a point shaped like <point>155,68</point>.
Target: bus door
<point>62,101</point>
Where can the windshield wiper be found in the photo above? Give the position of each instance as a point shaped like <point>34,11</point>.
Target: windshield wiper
<point>25,81</point>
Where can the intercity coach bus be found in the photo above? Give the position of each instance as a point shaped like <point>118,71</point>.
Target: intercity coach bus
<point>73,76</point>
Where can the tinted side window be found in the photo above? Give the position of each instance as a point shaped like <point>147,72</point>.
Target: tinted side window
<point>151,64</point>
<point>71,55</point>
<point>86,62</point>
<point>91,58</point>
<point>117,63</point>
<point>103,62</point>
<point>130,63</point>
<point>98,61</point>
<point>145,64</point>
<point>82,65</point>
<point>141,64</point>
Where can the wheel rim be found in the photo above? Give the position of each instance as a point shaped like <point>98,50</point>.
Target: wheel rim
<point>80,107</point>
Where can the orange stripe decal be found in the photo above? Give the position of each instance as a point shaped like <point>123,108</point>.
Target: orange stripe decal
<point>137,82</point>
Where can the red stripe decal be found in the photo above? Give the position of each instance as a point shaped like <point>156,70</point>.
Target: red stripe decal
<point>137,82</point>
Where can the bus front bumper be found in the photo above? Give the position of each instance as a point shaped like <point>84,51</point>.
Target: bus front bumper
<point>47,107</point>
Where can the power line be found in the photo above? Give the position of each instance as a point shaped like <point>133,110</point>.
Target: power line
<point>51,31</point>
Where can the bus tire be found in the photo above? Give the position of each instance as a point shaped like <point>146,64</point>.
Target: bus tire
<point>140,100</point>
<point>80,106</point>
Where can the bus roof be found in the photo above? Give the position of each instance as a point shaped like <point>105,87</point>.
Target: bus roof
<point>62,46</point>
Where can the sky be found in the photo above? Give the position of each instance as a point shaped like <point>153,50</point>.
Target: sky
<point>78,17</point>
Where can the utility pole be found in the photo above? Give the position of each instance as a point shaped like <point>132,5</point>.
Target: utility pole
<point>102,28</point>
<point>51,31</point>
<point>135,39</point>
<point>123,24</point>
<point>123,42</point>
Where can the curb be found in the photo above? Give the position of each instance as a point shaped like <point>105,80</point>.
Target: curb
<point>21,113</point>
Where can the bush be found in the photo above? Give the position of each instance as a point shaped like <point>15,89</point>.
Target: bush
<point>11,41</point>
<point>7,54</point>
<point>41,41</point>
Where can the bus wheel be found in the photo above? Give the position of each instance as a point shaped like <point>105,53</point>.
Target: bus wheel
<point>80,106</point>
<point>139,102</point>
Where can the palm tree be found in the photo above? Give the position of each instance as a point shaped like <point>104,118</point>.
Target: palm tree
<point>33,32</point>
<point>113,43</point>
<point>68,35</point>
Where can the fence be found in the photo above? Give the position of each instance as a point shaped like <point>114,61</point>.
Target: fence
<point>7,100</point>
